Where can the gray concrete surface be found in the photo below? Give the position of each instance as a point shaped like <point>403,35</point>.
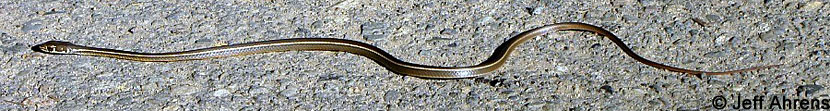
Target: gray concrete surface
<point>562,70</point>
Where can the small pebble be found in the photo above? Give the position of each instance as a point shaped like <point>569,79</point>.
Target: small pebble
<point>32,25</point>
<point>561,68</point>
<point>809,89</point>
<point>812,6</point>
<point>289,92</point>
<point>508,92</point>
<point>449,31</point>
<point>302,31</point>
<point>658,87</point>
<point>629,18</point>
<point>39,101</point>
<point>133,30</point>
<point>392,95</point>
<point>428,26</point>
<point>260,90</point>
<point>536,105</point>
<point>221,93</point>
<point>608,89</point>
<point>52,12</point>
<point>654,102</point>
<point>174,16</point>
<point>171,108</point>
<point>346,4</point>
<point>125,101</point>
<point>485,20</point>
<point>676,9</point>
<point>536,10</point>
<point>317,24</point>
<point>738,88</point>
<point>713,18</point>
<point>714,54</point>
<point>185,90</point>
<point>650,2</point>
<point>374,31</point>
<point>452,44</point>
<point>723,39</point>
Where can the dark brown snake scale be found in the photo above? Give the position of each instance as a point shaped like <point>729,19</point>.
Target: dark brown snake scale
<point>496,60</point>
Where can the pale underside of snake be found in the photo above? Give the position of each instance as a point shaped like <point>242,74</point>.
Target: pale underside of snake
<point>496,60</point>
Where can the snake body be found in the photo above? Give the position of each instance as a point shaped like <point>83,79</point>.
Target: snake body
<point>496,60</point>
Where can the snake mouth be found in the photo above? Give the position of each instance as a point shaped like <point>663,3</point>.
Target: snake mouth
<point>37,48</point>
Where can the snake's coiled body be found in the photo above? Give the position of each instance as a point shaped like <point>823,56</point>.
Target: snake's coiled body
<point>496,60</point>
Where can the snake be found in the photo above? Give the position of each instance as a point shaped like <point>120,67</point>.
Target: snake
<point>381,57</point>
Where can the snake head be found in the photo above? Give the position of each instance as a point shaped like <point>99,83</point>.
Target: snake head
<point>55,47</point>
